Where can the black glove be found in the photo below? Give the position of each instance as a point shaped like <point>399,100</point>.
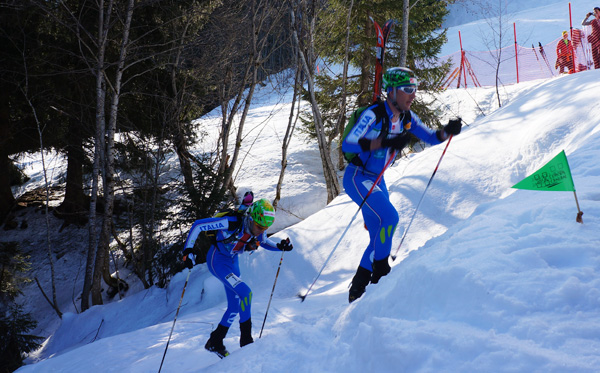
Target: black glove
<point>380,269</point>
<point>285,245</point>
<point>252,245</point>
<point>396,142</point>
<point>189,259</point>
<point>453,127</point>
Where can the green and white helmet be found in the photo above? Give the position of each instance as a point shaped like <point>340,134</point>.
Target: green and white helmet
<point>399,76</point>
<point>262,212</point>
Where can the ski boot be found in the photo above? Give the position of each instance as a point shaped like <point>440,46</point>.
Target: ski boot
<point>246,333</point>
<point>215,342</point>
<point>359,282</point>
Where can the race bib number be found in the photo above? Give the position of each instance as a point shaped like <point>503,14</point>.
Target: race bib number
<point>368,184</point>
<point>233,280</point>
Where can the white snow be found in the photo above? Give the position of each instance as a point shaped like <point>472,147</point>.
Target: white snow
<point>488,279</point>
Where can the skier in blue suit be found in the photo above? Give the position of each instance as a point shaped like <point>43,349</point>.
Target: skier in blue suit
<point>379,133</point>
<point>235,234</point>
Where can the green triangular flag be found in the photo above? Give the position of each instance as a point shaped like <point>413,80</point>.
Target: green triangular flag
<point>554,175</point>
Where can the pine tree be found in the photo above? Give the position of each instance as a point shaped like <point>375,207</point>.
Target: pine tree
<point>14,342</point>
<point>14,323</point>
<point>424,44</point>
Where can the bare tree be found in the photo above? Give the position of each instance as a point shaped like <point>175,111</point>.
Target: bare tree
<point>307,59</point>
<point>40,127</point>
<point>293,119</point>
<point>495,37</point>
<point>342,112</point>
<point>101,269</point>
<point>99,72</point>
<point>404,38</point>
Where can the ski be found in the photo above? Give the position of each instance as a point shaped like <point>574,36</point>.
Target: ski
<point>382,36</point>
<point>543,53</point>
<point>537,58</point>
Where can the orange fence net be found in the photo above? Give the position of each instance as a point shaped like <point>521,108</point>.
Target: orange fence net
<point>476,69</point>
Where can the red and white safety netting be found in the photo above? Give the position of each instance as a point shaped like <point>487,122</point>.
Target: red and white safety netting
<point>502,66</point>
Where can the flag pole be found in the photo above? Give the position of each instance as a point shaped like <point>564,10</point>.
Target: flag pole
<point>579,218</point>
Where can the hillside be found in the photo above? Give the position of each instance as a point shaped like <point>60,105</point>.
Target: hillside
<point>489,278</point>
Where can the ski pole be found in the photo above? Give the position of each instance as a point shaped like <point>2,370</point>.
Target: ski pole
<point>173,327</point>
<point>303,297</point>
<point>272,291</point>
<point>423,195</point>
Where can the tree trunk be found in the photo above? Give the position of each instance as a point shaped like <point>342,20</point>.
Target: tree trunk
<point>40,129</point>
<point>103,23</point>
<point>342,117</point>
<point>288,135</point>
<point>7,200</point>
<point>365,97</point>
<point>404,39</point>
<point>331,180</point>
<point>101,269</point>
<point>74,205</point>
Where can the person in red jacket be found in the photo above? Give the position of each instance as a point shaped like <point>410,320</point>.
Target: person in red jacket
<point>564,54</point>
<point>594,37</point>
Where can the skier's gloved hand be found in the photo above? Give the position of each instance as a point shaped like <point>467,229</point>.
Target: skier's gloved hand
<point>285,245</point>
<point>365,144</point>
<point>396,142</point>
<point>252,245</point>
<point>380,269</point>
<point>453,127</point>
<point>189,259</point>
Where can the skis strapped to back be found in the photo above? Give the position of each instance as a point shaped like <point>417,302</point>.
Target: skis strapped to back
<point>382,36</point>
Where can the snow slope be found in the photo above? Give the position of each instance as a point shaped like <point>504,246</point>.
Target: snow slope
<point>489,278</point>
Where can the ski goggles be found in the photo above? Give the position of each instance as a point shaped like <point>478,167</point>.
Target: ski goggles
<point>408,89</point>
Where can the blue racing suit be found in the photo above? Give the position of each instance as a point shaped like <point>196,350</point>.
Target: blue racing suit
<point>233,237</point>
<point>379,214</point>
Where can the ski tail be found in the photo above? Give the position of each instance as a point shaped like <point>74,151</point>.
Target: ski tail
<point>382,36</point>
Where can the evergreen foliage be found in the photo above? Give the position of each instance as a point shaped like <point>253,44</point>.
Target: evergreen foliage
<point>14,323</point>
<point>425,42</point>
<point>14,340</point>
<point>13,265</point>
<point>185,59</point>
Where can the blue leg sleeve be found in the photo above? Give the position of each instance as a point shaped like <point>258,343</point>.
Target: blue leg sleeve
<point>380,216</point>
<point>239,295</point>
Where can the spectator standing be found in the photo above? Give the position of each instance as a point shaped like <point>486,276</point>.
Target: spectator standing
<point>564,54</point>
<point>594,37</point>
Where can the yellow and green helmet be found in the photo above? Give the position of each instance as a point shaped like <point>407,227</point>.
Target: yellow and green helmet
<point>262,212</point>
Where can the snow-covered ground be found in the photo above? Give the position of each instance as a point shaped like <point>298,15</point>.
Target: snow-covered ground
<point>489,278</point>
